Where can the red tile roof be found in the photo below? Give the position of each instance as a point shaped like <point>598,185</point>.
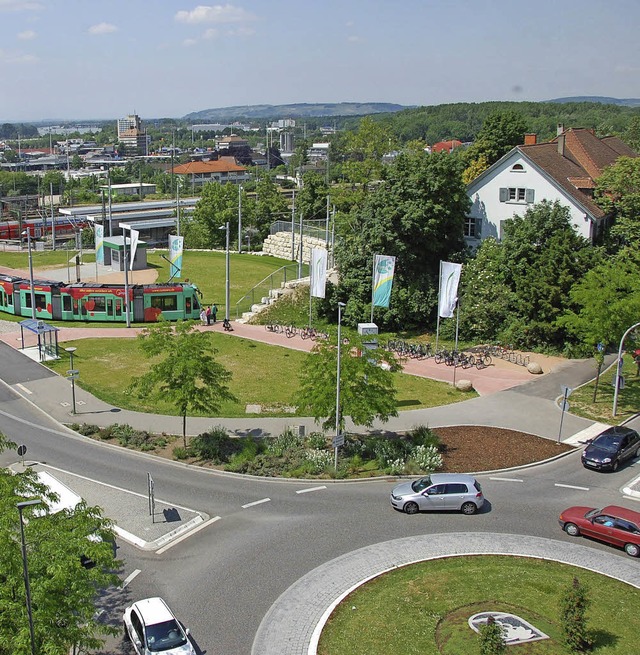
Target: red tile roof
<point>222,165</point>
<point>447,146</point>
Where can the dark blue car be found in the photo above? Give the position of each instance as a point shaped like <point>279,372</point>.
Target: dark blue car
<point>610,448</point>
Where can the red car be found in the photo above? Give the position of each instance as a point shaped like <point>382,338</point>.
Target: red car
<point>614,525</point>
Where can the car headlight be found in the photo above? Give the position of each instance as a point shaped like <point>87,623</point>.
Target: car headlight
<point>606,460</point>
<point>396,497</point>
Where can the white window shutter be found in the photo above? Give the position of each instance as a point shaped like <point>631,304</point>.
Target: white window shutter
<point>530,195</point>
<point>504,195</point>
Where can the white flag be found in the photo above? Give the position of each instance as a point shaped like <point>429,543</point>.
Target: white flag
<point>318,272</point>
<point>135,236</point>
<point>448,296</point>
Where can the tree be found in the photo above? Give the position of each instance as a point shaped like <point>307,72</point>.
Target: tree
<point>501,131</point>
<point>618,192</point>
<point>573,609</point>
<point>311,200</point>
<point>364,149</point>
<point>63,592</point>
<point>417,215</point>
<point>492,638</point>
<point>542,257</point>
<point>367,389</point>
<point>218,205</point>
<point>186,374</point>
<point>269,206</point>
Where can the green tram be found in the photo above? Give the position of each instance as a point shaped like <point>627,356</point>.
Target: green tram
<point>98,302</point>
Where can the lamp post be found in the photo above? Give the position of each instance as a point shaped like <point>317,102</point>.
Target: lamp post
<point>25,568</point>
<point>72,374</point>
<point>618,377</point>
<point>340,306</point>
<point>33,294</point>
<point>226,287</point>
<point>239,218</point>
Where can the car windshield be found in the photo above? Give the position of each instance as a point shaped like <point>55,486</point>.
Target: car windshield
<point>607,442</point>
<point>163,636</point>
<point>421,484</point>
<point>591,513</point>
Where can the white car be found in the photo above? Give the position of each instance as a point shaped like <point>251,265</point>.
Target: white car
<point>152,628</point>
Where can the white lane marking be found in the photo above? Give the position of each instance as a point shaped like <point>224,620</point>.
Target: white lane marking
<point>571,486</point>
<point>507,479</point>
<point>256,502</point>
<point>24,388</point>
<point>304,491</point>
<point>171,544</point>
<point>130,578</point>
<point>631,498</point>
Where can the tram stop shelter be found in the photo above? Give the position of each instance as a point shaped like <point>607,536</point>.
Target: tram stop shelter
<point>45,346</point>
<point>114,253</point>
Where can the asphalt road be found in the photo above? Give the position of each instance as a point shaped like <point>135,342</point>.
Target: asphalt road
<point>222,580</point>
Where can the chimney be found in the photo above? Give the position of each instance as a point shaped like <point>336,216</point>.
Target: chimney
<point>559,129</point>
<point>561,145</point>
<point>530,139</point>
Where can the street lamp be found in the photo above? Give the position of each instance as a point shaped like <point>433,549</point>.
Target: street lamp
<point>33,294</point>
<point>226,299</point>
<point>25,569</point>
<point>618,374</point>
<point>72,374</point>
<point>340,306</point>
<point>239,218</point>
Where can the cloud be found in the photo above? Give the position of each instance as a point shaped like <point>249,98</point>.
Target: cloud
<point>19,5</point>
<point>211,33</point>
<point>17,58</point>
<point>27,35</point>
<point>355,39</point>
<point>187,43</point>
<point>102,28</point>
<point>216,14</point>
<point>241,31</point>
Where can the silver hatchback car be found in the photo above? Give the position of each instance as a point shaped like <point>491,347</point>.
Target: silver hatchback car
<point>439,491</point>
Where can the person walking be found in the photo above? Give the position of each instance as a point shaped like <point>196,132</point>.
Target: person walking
<point>214,312</point>
<point>208,314</point>
<point>203,316</point>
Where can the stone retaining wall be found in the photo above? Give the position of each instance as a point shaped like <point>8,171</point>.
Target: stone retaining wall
<point>279,245</point>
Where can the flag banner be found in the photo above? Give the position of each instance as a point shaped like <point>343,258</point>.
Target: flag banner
<point>448,296</point>
<point>135,237</point>
<point>383,268</point>
<point>318,272</point>
<point>175,255</point>
<point>99,237</point>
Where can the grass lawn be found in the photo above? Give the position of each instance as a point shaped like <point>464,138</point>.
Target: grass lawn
<point>262,374</point>
<point>581,400</point>
<point>423,609</point>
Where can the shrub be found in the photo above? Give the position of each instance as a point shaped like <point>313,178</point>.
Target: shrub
<point>423,435</point>
<point>215,445</point>
<point>238,461</point>
<point>316,440</point>
<point>573,610</point>
<point>396,466</point>
<point>427,458</point>
<point>285,441</point>
<point>318,459</point>
<point>388,450</point>
<point>180,452</point>
<point>492,638</point>
<point>85,429</point>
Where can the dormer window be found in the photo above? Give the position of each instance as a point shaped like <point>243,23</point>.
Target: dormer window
<point>517,168</point>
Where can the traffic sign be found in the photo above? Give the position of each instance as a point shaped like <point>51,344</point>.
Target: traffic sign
<point>564,406</point>
<point>338,441</point>
<point>22,450</point>
<point>73,373</point>
<point>566,391</point>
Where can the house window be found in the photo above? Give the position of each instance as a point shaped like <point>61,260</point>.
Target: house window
<point>518,168</point>
<point>517,194</point>
<point>472,227</point>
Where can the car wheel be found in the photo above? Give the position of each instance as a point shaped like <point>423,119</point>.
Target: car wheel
<point>468,509</point>
<point>572,529</point>
<point>632,550</point>
<point>614,466</point>
<point>411,508</point>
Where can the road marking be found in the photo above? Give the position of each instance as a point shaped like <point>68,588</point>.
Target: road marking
<point>130,578</point>
<point>304,491</point>
<point>256,502</point>
<point>171,544</point>
<point>631,498</point>
<point>24,388</point>
<point>507,479</point>
<point>571,486</point>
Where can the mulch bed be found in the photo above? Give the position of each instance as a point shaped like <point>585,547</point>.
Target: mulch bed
<point>479,448</point>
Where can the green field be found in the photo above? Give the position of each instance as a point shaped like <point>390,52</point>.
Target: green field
<point>423,609</point>
<point>262,374</point>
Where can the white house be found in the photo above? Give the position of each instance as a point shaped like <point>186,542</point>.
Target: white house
<point>564,169</point>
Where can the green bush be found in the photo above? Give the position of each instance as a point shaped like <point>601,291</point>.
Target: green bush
<point>215,445</point>
<point>284,442</point>
<point>423,435</point>
<point>316,440</point>
<point>573,609</point>
<point>492,638</point>
<point>85,429</point>
<point>239,461</point>
<point>180,452</point>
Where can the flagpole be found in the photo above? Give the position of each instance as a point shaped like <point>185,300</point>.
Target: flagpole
<point>438,312</point>
<point>373,281</point>
<point>457,323</point>
<point>310,289</point>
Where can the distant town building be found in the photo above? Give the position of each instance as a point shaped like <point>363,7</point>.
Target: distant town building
<point>132,189</point>
<point>318,152</point>
<point>286,142</point>
<point>133,136</point>
<point>224,170</point>
<point>446,146</point>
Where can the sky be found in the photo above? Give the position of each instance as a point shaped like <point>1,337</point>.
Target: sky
<point>102,59</point>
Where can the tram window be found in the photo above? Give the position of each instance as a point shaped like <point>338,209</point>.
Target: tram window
<point>165,303</point>
<point>187,306</point>
<point>66,303</point>
<point>109,306</point>
<point>99,304</point>
<point>118,308</point>
<point>41,300</point>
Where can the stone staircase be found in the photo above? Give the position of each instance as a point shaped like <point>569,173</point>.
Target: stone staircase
<point>274,296</point>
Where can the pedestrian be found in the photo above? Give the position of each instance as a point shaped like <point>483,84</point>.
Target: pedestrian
<point>203,316</point>
<point>208,315</point>
<point>636,359</point>
<point>214,312</point>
